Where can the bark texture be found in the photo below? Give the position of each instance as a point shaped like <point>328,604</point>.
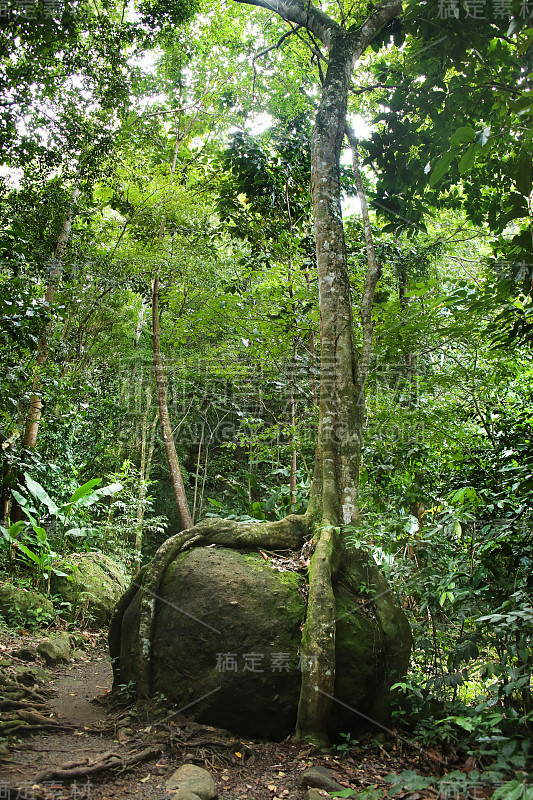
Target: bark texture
<point>372,276</point>
<point>164,418</point>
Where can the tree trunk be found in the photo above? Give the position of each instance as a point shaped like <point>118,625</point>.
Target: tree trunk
<point>144,475</point>
<point>372,276</point>
<point>334,495</point>
<point>410,357</point>
<point>35,408</point>
<point>164,418</point>
<point>293,491</point>
<point>197,475</point>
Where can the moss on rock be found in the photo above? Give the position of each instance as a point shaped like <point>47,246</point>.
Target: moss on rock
<point>227,626</point>
<point>20,606</point>
<point>94,586</point>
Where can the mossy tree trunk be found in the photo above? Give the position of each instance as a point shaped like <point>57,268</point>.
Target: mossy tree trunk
<point>334,496</point>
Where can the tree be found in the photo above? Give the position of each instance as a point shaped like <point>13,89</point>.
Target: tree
<point>166,428</point>
<point>334,496</point>
<point>35,406</point>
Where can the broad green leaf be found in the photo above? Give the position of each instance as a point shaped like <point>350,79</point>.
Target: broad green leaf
<point>40,494</point>
<point>30,554</point>
<point>21,500</point>
<point>468,158</point>
<point>464,134</point>
<point>84,490</point>
<point>105,491</point>
<point>40,533</point>
<point>441,167</point>
<point>14,529</point>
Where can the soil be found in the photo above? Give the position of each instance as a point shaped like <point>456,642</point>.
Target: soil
<point>252,769</point>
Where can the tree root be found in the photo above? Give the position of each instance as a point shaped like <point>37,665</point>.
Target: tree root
<point>318,640</point>
<point>72,770</point>
<point>288,533</point>
<point>27,721</point>
<point>13,690</point>
<point>10,705</point>
<point>23,710</point>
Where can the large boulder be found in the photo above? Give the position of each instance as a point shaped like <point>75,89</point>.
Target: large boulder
<point>226,639</point>
<point>20,606</point>
<point>93,586</point>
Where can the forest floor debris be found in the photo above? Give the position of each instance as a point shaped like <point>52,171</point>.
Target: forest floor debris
<point>75,747</point>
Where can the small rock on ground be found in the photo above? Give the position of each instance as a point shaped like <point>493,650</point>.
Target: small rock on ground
<point>192,782</point>
<point>316,794</point>
<point>55,650</point>
<point>320,778</point>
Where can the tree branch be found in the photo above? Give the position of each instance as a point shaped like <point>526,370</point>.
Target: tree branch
<point>373,273</point>
<point>302,14</point>
<point>278,44</point>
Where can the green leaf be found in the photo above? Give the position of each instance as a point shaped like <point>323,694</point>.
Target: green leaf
<point>30,554</point>
<point>84,490</point>
<point>528,39</point>
<point>14,529</point>
<point>468,158</point>
<point>441,167</point>
<point>40,533</point>
<point>40,494</point>
<point>523,176</point>
<point>464,134</point>
<point>59,573</point>
<point>21,500</point>
<point>482,136</point>
<point>511,791</point>
<point>105,491</point>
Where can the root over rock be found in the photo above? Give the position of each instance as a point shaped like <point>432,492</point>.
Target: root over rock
<point>217,630</point>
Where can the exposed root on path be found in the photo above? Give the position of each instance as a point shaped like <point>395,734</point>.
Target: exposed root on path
<point>71,770</point>
<point>23,708</point>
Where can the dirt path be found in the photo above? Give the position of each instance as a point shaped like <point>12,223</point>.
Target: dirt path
<point>73,688</point>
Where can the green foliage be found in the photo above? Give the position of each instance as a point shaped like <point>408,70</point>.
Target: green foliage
<point>238,497</point>
<point>36,547</point>
<point>117,526</point>
<point>446,477</point>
